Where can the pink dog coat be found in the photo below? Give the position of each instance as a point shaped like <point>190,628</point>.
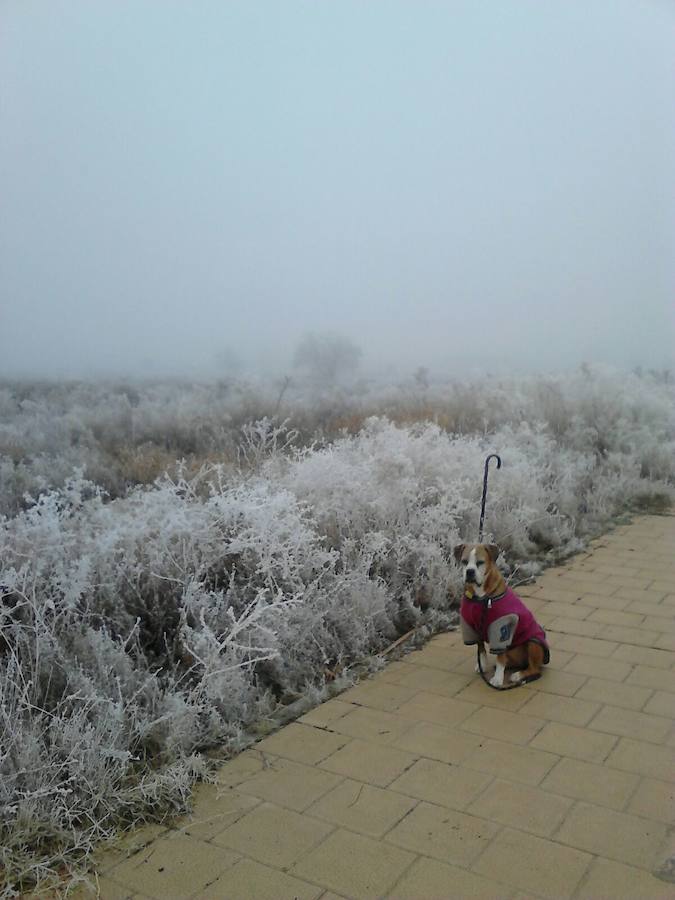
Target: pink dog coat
<point>502,622</point>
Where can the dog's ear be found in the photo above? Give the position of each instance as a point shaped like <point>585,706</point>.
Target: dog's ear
<point>493,551</point>
<point>457,551</point>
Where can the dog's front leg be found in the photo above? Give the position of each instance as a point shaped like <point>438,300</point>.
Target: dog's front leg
<point>497,679</point>
<point>484,659</point>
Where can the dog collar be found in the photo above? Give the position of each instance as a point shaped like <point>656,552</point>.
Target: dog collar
<point>487,599</point>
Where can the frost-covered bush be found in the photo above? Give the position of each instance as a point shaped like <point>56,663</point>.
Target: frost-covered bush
<point>141,624</point>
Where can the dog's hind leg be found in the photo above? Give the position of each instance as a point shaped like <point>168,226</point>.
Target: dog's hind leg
<point>535,660</point>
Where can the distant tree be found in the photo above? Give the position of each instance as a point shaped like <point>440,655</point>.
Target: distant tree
<point>421,376</point>
<point>327,357</point>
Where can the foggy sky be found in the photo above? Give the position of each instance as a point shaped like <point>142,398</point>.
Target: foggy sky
<point>462,185</point>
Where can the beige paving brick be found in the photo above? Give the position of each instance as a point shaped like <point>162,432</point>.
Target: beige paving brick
<point>553,681</point>
<point>214,808</point>
<point>569,710</point>
<point>290,784</point>
<point>236,770</point>
<point>378,694</point>
<point>613,881</point>
<point>627,696</point>
<point>302,743</point>
<point>272,835</point>
<point>526,808</point>
<point>652,607</point>
<point>438,742</point>
<point>646,676</point>
<point>362,808</point>
<point>429,879</point>
<point>593,783</point>
<point>570,610</point>
<point>372,725</point>
<point>125,845</point>
<point>393,671</point>
<point>654,800</point>
<point>372,763</point>
<point>479,693</point>
<point>658,659</point>
<point>534,864</point>
<point>609,669</point>
<point>523,764</point>
<point>434,681</point>
<point>575,626</point>
<point>425,707</point>
<point>589,646</point>
<point>517,728</point>
<point>248,879</point>
<point>354,865</point>
<point>643,758</point>
<point>579,743</point>
<point>615,601</point>
<point>437,658</point>
<point>440,832</point>
<point>590,584</point>
<point>613,835</point>
<point>616,617</point>
<point>665,642</point>
<point>441,783</point>
<point>661,703</point>
<point>638,637</point>
<point>628,723</point>
<point>661,623</point>
<point>173,868</point>
<point>324,715</point>
<point>661,587</point>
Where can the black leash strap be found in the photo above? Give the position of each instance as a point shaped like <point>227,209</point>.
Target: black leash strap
<point>485,481</point>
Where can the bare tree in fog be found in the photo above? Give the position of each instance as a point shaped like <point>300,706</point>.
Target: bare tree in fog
<point>327,358</point>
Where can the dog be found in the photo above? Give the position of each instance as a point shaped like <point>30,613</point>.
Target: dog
<point>490,613</point>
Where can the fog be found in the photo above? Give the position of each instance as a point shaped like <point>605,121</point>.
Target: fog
<point>186,189</point>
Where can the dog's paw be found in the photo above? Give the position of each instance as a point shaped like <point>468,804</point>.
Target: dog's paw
<point>516,677</point>
<point>497,680</point>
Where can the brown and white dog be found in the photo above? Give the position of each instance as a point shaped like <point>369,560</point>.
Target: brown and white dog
<point>490,613</point>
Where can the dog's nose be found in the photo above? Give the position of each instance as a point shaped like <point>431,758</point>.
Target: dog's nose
<point>470,575</point>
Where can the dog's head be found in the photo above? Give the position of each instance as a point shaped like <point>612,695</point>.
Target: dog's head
<point>478,562</point>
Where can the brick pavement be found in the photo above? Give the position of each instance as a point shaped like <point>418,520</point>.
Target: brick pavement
<point>421,782</point>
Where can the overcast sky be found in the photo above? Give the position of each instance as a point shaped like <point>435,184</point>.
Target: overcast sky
<point>463,185</point>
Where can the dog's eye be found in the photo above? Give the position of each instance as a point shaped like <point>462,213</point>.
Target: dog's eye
<point>480,562</point>
<point>465,562</point>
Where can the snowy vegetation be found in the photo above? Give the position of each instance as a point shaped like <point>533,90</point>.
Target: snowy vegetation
<point>180,562</point>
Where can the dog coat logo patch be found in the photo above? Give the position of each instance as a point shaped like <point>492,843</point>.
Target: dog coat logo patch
<point>504,633</point>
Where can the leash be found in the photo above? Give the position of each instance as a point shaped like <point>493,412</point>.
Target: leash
<point>487,601</point>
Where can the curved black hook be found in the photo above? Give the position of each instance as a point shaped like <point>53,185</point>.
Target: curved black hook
<point>485,481</point>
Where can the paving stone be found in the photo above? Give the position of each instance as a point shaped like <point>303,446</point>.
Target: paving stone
<point>437,658</point>
<point>290,784</point>
<point>426,707</point>
<point>645,759</point>
<point>588,781</point>
<point>588,646</point>
<point>354,865</point>
<point>523,764</point>
<point>654,800</point>
<point>214,809</point>
<point>434,880</point>
<point>443,833</point>
<point>372,725</point>
<point>303,743</point>
<point>236,770</point>
<point>553,681</point>
<point>534,864</point>
<point>568,740</point>
<point>481,695</point>
<point>517,728</point>
<point>438,742</point>
<point>615,601</point>
<point>272,835</point>
<point>569,710</point>
<point>627,722</point>
<point>646,676</point>
<point>613,835</point>
<point>372,763</point>
<point>377,694</point>
<point>609,669</point>
<point>434,681</point>
<point>441,783</point>
<point>248,879</point>
<point>362,807</point>
<point>616,617</point>
<point>568,609</point>
<point>657,659</point>
<point>327,713</point>
<point>568,625</point>
<point>661,703</point>
<point>173,868</point>
<point>637,637</point>
<point>613,881</point>
<point>602,690</point>
<point>526,808</point>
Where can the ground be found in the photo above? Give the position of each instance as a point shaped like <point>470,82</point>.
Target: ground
<point>421,782</point>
